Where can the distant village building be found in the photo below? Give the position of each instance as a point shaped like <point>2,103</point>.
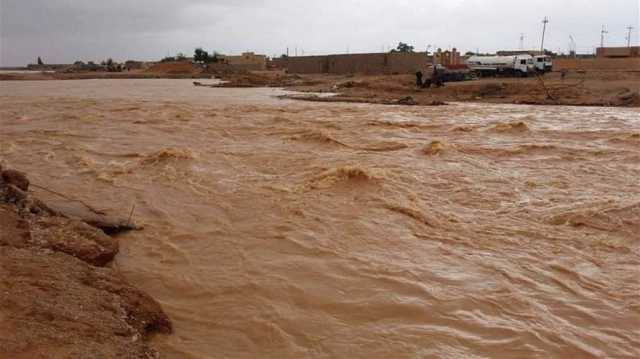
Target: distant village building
<point>448,58</point>
<point>613,52</point>
<point>368,63</point>
<point>247,61</point>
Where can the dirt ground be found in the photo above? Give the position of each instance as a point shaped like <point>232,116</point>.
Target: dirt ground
<point>580,88</point>
<point>58,298</point>
<point>586,89</point>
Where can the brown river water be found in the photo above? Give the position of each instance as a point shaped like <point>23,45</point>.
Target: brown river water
<point>281,229</point>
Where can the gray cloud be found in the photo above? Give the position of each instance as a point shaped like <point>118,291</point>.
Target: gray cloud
<point>66,30</point>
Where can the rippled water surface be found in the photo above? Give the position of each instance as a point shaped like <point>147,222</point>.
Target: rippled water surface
<point>281,229</point>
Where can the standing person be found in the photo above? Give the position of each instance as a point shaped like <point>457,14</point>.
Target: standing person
<point>434,77</point>
<point>418,79</point>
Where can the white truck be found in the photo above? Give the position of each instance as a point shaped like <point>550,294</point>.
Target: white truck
<point>543,63</point>
<point>516,65</point>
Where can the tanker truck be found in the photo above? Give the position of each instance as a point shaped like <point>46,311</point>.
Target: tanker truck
<point>516,65</point>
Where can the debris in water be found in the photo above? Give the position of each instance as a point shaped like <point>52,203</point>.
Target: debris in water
<point>407,101</point>
<point>434,148</point>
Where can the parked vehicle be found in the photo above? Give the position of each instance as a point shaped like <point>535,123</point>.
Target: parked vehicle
<point>517,65</point>
<point>446,74</point>
<point>543,63</point>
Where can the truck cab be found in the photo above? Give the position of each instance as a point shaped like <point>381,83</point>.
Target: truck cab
<point>523,65</point>
<point>543,63</point>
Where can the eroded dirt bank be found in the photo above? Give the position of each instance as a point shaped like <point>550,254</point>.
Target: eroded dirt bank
<point>58,299</point>
<point>281,229</point>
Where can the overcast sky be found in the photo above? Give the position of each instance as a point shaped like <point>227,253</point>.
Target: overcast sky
<point>62,31</point>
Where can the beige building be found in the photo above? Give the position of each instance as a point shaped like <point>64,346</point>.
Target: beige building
<point>447,57</point>
<point>618,52</point>
<point>371,63</point>
<point>247,61</point>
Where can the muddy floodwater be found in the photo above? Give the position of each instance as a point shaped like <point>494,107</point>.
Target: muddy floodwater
<point>282,229</point>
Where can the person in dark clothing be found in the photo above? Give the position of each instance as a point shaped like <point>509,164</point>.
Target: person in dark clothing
<point>419,79</point>
<point>435,77</point>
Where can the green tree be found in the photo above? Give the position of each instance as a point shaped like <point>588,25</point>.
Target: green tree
<point>402,47</point>
<point>201,56</point>
<point>40,61</point>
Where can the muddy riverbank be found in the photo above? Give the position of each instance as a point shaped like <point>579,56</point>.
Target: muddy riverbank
<point>59,296</point>
<point>286,229</point>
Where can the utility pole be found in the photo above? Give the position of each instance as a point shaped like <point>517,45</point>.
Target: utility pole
<point>602,33</point>
<point>572,46</point>
<point>544,30</point>
<point>521,41</point>
<point>629,28</point>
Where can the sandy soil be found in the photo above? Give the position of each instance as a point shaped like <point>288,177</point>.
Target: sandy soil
<point>58,298</point>
<point>288,229</point>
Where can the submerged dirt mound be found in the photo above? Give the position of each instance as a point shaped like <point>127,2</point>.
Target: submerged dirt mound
<point>56,298</point>
<point>341,175</point>
<point>619,219</point>
<point>632,139</point>
<point>352,84</point>
<point>407,101</point>
<point>434,148</point>
<point>263,79</point>
<point>511,127</point>
<point>518,151</point>
<point>175,68</point>
<point>384,146</point>
<point>626,98</point>
<point>410,212</point>
<point>319,137</point>
<point>168,154</point>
